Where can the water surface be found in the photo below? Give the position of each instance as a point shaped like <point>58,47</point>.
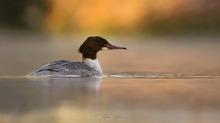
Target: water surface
<point>109,99</point>
<point>158,80</point>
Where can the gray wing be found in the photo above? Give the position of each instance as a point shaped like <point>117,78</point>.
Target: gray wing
<point>62,68</point>
<point>54,66</point>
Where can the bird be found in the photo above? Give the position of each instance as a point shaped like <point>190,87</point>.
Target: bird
<point>89,66</point>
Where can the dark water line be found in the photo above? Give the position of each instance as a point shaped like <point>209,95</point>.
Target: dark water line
<point>128,75</point>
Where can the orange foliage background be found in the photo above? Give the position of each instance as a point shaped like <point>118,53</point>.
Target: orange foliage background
<point>102,15</point>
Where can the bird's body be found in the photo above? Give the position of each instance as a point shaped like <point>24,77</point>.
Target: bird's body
<point>89,66</point>
<point>63,67</point>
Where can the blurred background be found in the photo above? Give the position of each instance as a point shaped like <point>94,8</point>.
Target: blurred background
<point>157,33</point>
<point>146,17</point>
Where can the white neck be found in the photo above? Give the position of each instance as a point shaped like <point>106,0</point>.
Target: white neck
<point>93,64</point>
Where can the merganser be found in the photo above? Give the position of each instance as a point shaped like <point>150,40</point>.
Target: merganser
<point>89,66</point>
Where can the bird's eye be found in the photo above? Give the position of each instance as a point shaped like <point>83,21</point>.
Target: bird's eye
<point>102,42</point>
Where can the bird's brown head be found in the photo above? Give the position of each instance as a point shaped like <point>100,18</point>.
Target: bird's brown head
<point>94,44</point>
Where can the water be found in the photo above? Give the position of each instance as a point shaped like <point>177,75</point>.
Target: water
<point>109,99</point>
<point>156,82</point>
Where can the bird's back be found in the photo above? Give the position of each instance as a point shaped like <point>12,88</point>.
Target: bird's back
<point>63,68</point>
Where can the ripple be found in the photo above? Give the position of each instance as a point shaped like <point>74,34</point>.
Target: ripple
<point>161,76</point>
<point>127,76</point>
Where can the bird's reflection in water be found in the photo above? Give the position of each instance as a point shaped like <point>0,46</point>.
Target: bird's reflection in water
<point>40,93</point>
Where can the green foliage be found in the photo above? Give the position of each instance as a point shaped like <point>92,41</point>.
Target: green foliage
<point>192,24</point>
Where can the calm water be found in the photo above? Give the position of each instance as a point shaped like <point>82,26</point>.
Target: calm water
<point>115,100</point>
<point>156,81</point>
